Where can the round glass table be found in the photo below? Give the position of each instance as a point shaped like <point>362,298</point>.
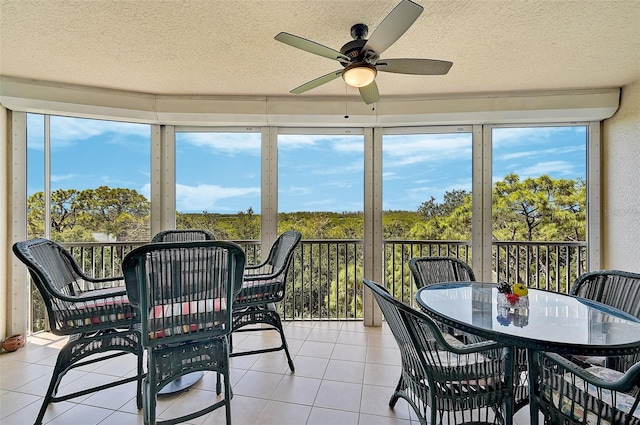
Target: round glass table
<point>547,321</point>
<point>551,322</point>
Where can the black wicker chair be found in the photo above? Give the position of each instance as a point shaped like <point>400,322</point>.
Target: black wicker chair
<point>183,235</point>
<point>264,285</point>
<point>567,394</point>
<point>616,288</point>
<point>447,383</point>
<point>184,293</point>
<point>94,313</point>
<point>430,270</point>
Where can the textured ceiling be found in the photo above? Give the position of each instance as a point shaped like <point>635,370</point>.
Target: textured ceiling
<point>226,47</point>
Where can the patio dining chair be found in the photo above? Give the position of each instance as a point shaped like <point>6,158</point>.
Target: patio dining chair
<point>447,383</point>
<point>184,292</point>
<point>616,288</point>
<point>93,312</point>
<point>264,285</point>
<point>183,235</point>
<point>568,394</point>
<point>431,270</point>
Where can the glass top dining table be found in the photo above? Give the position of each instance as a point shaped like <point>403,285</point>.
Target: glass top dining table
<point>551,322</point>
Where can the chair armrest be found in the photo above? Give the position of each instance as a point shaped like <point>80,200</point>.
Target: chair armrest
<point>629,379</point>
<point>93,294</point>
<point>462,348</point>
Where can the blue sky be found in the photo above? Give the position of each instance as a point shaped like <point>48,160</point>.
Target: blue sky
<point>220,172</point>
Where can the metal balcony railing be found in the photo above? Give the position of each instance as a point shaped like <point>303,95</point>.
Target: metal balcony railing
<point>325,277</point>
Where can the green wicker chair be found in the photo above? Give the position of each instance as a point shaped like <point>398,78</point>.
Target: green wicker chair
<point>184,293</point>
<point>183,235</point>
<point>570,395</point>
<point>94,313</point>
<point>617,289</point>
<point>430,270</point>
<point>447,383</point>
<point>264,285</point>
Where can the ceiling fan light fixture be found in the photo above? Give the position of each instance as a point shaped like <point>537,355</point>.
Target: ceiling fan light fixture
<point>359,74</point>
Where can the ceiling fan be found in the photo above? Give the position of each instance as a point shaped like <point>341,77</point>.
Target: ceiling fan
<point>361,56</point>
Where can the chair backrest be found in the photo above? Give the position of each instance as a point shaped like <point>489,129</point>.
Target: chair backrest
<point>62,284</point>
<point>615,288</point>
<point>266,282</point>
<point>430,270</point>
<point>427,357</point>
<point>183,235</point>
<point>281,253</point>
<point>184,290</point>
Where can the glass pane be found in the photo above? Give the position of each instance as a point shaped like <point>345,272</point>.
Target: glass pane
<point>100,173</point>
<point>427,187</point>
<point>539,204</point>
<point>218,183</point>
<point>320,185</point>
<point>35,208</point>
<point>320,194</point>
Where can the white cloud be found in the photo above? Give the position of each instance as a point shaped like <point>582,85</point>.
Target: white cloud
<point>60,178</point>
<point>295,191</point>
<point>222,142</point>
<point>208,197</point>
<point>548,167</point>
<point>401,151</point>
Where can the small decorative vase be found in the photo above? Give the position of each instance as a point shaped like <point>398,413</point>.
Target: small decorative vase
<point>13,342</point>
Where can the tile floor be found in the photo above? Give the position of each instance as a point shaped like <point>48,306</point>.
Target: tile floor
<point>345,374</point>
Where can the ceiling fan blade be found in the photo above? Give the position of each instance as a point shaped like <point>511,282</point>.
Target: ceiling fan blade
<point>311,47</point>
<point>396,23</point>
<point>317,82</point>
<point>414,66</point>
<point>370,93</point>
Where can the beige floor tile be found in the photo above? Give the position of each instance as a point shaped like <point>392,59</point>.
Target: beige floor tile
<point>14,401</point>
<point>323,335</point>
<point>375,401</point>
<point>277,413</point>
<point>352,338</point>
<point>382,375</point>
<point>310,367</point>
<point>257,384</point>
<point>244,411</point>
<point>297,389</point>
<point>320,416</point>
<point>343,383</point>
<point>382,355</point>
<point>366,419</point>
<point>345,371</point>
<point>351,353</point>
<point>316,349</point>
<point>275,362</point>
<point>339,395</point>
<point>81,415</point>
<point>121,418</point>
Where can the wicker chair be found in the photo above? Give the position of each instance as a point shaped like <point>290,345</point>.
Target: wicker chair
<point>617,289</point>
<point>431,270</point>
<point>94,313</point>
<point>263,286</point>
<point>183,235</point>
<point>449,383</point>
<point>570,395</point>
<point>184,294</point>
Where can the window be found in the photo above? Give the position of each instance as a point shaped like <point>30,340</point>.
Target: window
<point>539,197</point>
<point>218,177</point>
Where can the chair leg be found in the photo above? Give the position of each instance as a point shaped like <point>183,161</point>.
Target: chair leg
<point>227,397</point>
<point>394,396</point>
<point>284,342</point>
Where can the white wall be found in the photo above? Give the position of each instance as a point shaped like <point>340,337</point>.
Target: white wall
<point>621,184</point>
